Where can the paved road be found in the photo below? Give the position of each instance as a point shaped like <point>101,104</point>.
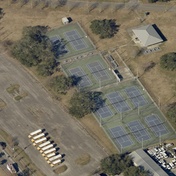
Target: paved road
<point>38,110</point>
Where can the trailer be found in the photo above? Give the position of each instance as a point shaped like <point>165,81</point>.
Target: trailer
<point>48,151</point>
<point>50,155</point>
<point>50,160</point>
<point>43,145</point>
<point>37,137</point>
<point>55,162</point>
<point>46,148</point>
<point>32,134</point>
<point>39,141</point>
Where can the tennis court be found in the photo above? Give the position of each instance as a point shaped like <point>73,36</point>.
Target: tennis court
<point>74,38</point>
<point>118,102</point>
<point>104,112</point>
<point>99,72</point>
<point>94,80</point>
<point>156,125</point>
<point>136,97</point>
<point>78,72</point>
<point>121,137</point>
<point>128,127</point>
<point>138,130</point>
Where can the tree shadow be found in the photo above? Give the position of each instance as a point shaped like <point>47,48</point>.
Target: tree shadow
<point>93,6</point>
<point>59,48</point>
<point>74,5</point>
<point>2,154</point>
<point>103,7</point>
<point>3,161</point>
<point>75,80</point>
<point>62,3</point>
<point>102,174</point>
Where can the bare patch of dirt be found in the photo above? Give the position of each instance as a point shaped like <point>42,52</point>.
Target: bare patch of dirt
<point>60,169</point>
<point>83,159</point>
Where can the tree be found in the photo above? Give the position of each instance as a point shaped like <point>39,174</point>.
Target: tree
<point>26,172</point>
<point>61,84</point>
<point>32,44</point>
<point>3,145</point>
<point>168,61</point>
<point>105,28</point>
<point>115,164</point>
<point>44,69</point>
<point>36,49</point>
<point>136,171</point>
<point>83,103</point>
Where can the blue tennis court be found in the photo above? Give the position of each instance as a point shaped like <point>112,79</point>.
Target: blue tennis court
<point>76,41</point>
<point>156,125</point>
<point>136,97</point>
<point>118,102</point>
<point>104,112</point>
<point>121,137</point>
<point>78,72</point>
<point>139,131</point>
<point>98,71</point>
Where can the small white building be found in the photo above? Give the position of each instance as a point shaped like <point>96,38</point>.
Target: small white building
<point>65,20</point>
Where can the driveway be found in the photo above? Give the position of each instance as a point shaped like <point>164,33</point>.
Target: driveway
<point>38,110</point>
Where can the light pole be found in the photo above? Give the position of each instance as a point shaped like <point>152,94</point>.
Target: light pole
<point>159,138</point>
<point>120,148</point>
<point>121,115</point>
<point>100,84</point>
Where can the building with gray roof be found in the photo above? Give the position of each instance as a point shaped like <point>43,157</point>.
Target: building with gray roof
<point>141,158</point>
<point>146,36</point>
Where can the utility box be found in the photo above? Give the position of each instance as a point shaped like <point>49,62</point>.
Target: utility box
<point>65,20</point>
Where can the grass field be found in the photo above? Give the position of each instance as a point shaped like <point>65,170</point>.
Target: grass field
<point>83,63</point>
<point>122,119</point>
<point>60,33</point>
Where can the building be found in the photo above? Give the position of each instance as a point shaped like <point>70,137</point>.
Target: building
<point>65,20</point>
<point>146,36</point>
<point>141,158</point>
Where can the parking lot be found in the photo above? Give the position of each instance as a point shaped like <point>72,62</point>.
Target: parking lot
<point>37,110</point>
<point>165,156</point>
